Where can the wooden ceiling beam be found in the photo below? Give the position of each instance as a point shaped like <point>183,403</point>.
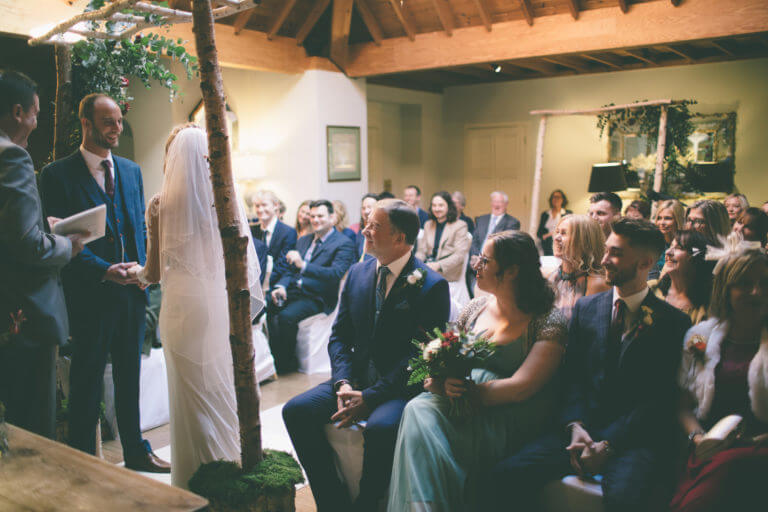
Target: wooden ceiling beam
<point>635,54</point>
<point>676,2</point>
<point>525,5</point>
<point>340,26</point>
<point>485,14</point>
<point>602,59</point>
<point>623,6</point>
<point>573,6</point>
<point>242,20</point>
<point>370,21</point>
<point>280,19</point>
<point>445,13</point>
<point>649,24</point>
<point>722,48</point>
<point>546,69</point>
<point>674,50</point>
<point>309,23</point>
<point>567,63</point>
<point>404,19</point>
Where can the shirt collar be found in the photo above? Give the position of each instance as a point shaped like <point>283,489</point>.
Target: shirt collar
<point>272,224</point>
<point>396,266</point>
<point>325,236</point>
<point>633,301</point>
<point>93,161</point>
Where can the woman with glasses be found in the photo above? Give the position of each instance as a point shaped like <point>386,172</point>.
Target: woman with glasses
<point>579,243</point>
<point>439,458</point>
<point>710,218</point>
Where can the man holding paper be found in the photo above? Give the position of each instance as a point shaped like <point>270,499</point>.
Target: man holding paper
<point>106,306</point>
<point>33,316</point>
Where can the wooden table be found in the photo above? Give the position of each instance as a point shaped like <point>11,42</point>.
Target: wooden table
<point>41,475</point>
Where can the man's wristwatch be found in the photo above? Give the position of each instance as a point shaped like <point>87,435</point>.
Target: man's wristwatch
<point>338,384</point>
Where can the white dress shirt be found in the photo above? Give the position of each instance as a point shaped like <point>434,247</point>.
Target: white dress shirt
<point>394,269</point>
<point>633,303</point>
<point>93,161</point>
<point>270,230</point>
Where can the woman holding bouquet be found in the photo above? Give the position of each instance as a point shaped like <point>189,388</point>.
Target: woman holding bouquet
<point>724,372</point>
<point>438,456</point>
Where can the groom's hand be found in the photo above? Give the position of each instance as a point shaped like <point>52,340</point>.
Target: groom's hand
<point>118,273</point>
<point>354,408</point>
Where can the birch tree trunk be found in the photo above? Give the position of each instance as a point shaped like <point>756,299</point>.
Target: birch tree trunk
<point>229,225</point>
<point>63,113</point>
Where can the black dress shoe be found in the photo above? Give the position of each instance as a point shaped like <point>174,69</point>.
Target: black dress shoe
<point>149,463</point>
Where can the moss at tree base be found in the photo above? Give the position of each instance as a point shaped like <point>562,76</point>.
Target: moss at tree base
<point>269,487</point>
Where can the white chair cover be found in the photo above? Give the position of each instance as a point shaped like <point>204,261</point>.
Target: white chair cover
<point>572,494</point>
<point>264,363</point>
<point>312,343</point>
<point>347,445</point>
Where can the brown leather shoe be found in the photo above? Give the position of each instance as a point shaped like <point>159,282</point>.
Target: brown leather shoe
<point>149,463</point>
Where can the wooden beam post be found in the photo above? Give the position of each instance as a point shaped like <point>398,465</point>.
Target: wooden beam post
<point>525,5</point>
<point>404,20</point>
<point>485,14</point>
<point>280,19</point>
<point>537,176</point>
<point>623,6</point>
<point>573,5</point>
<point>317,10</point>
<point>370,21</point>
<point>242,20</point>
<point>661,146</point>
<point>445,13</point>
<point>340,25</point>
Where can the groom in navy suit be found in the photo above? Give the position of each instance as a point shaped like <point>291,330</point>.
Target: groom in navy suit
<point>386,302</point>
<point>106,307</point>
<point>618,419</point>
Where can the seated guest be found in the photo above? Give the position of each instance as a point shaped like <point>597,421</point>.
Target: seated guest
<point>735,205</point>
<point>753,225</point>
<point>724,372</point>
<point>438,459</point>
<point>367,204</point>
<point>550,219</point>
<point>446,243</point>
<point>605,208</point>
<point>340,221</point>
<point>386,194</point>
<point>688,280</point>
<point>638,209</point>
<point>277,236</point>
<point>670,218</point>
<point>366,207</point>
<point>32,308</point>
<point>580,244</point>
<point>379,314</point>
<point>412,196</point>
<point>303,224</point>
<point>311,284</point>
<point>709,218</point>
<point>620,387</point>
<point>495,222</point>
<point>460,201</point>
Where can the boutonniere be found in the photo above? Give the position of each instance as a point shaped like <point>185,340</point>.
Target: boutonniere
<point>416,278</point>
<point>645,321</point>
<point>696,345</point>
<point>14,328</point>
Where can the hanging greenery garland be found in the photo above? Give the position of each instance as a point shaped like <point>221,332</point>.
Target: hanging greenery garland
<point>645,121</point>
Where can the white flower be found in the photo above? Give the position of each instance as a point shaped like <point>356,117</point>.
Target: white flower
<point>414,277</point>
<point>431,349</point>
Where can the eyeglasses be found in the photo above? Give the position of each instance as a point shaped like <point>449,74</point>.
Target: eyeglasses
<point>483,260</point>
<point>697,222</point>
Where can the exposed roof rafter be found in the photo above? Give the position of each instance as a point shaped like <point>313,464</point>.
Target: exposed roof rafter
<point>371,23</point>
<point>445,13</point>
<point>309,23</point>
<point>404,19</point>
<point>525,5</point>
<point>277,24</point>
<point>485,14</point>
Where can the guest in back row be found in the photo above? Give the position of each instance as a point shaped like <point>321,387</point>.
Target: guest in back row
<point>670,218</point>
<point>580,244</point>
<point>278,237</point>
<point>620,375</point>
<point>605,208</point>
<point>753,225</point>
<point>412,196</point>
<point>724,372</point>
<point>303,223</point>
<point>638,209</point>
<point>735,205</point>
<point>367,205</point>
<point>551,218</point>
<point>445,242</point>
<point>310,286</point>
<point>340,220</point>
<point>710,218</point>
<point>461,202</point>
<point>495,222</point>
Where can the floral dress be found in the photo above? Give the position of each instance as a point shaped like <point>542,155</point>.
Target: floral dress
<point>438,458</point>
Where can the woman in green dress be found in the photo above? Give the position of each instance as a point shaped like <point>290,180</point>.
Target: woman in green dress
<point>438,458</point>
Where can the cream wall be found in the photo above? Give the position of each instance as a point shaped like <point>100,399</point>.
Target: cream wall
<point>384,114</point>
<point>281,131</point>
<point>572,143</point>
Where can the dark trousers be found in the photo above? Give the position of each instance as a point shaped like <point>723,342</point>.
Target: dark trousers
<point>305,417</point>
<point>631,478</point>
<point>116,328</point>
<point>283,325</point>
<point>28,387</point>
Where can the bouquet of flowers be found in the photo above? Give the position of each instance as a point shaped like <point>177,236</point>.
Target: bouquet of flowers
<point>452,353</point>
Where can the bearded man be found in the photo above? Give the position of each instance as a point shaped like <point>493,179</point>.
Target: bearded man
<point>106,305</point>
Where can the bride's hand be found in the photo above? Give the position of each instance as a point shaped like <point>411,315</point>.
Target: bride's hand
<point>434,385</point>
<point>455,388</point>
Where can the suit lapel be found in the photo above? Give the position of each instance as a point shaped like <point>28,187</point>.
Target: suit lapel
<point>400,285</point>
<point>320,248</point>
<point>638,330</point>
<point>603,320</point>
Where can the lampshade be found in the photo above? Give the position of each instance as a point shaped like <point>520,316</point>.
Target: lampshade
<point>712,176</point>
<point>607,177</point>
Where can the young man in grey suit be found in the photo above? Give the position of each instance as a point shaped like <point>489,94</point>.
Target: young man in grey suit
<point>33,315</point>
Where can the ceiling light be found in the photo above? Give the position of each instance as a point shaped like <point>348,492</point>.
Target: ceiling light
<point>496,68</point>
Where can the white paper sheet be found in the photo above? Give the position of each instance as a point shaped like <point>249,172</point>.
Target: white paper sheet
<point>94,221</point>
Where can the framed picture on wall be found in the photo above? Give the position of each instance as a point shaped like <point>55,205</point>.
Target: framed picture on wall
<point>343,153</point>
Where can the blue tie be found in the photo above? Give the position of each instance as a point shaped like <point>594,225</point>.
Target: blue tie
<point>381,289</point>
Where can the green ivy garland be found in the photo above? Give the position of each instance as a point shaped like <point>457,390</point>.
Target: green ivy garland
<point>645,120</point>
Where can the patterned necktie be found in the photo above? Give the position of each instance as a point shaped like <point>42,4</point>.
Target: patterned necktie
<point>618,320</point>
<point>109,181</point>
<point>381,289</point>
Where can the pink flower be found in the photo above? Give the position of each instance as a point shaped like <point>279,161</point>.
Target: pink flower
<point>16,321</point>
<point>124,82</point>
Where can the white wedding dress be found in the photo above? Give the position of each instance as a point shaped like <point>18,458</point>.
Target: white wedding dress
<point>186,256</point>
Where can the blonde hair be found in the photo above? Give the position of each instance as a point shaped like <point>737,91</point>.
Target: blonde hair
<point>734,269</point>
<point>340,211</point>
<point>174,132</point>
<point>742,200</point>
<point>678,212</point>
<point>586,244</point>
<point>268,195</point>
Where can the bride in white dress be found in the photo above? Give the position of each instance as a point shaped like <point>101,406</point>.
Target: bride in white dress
<point>185,254</point>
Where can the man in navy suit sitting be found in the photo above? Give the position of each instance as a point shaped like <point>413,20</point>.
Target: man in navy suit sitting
<point>386,302</point>
<point>311,284</point>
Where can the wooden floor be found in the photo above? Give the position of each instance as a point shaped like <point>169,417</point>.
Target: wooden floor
<point>273,393</point>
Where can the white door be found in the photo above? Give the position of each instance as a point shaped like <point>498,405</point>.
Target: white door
<point>495,160</point>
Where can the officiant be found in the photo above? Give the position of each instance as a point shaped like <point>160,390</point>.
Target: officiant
<point>33,316</point>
